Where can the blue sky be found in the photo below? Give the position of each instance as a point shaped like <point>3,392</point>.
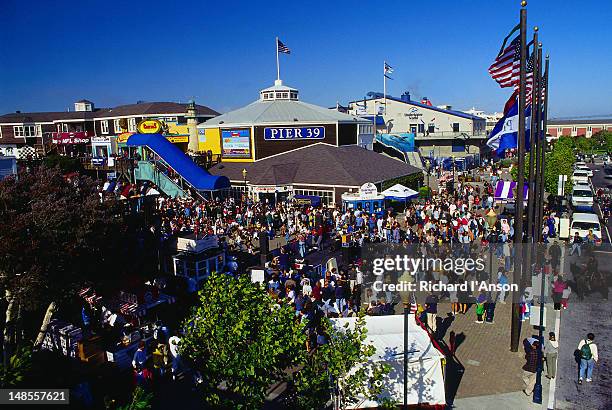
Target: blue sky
<point>222,52</point>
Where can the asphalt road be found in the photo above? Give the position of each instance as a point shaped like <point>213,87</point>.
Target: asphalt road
<point>592,314</point>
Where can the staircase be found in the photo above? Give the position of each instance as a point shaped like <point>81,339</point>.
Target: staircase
<point>147,171</point>
<point>414,159</point>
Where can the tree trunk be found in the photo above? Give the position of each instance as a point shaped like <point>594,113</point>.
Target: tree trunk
<point>8,327</point>
<point>45,324</point>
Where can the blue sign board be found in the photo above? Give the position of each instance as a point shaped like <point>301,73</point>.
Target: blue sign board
<point>298,133</point>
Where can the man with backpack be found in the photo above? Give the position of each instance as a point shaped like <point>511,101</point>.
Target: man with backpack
<point>588,357</point>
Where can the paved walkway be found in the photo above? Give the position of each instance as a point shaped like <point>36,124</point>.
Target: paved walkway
<point>484,351</point>
<point>591,315</point>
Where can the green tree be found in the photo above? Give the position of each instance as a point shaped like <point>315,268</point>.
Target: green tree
<point>584,144</point>
<point>17,367</point>
<point>242,340</point>
<point>603,140</point>
<point>558,161</point>
<point>141,400</point>
<point>343,362</point>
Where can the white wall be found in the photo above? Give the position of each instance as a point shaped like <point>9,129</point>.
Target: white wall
<point>400,116</point>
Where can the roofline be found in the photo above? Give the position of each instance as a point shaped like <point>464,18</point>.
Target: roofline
<point>151,115</point>
<point>281,124</point>
<point>295,149</point>
<point>596,121</point>
<point>418,104</point>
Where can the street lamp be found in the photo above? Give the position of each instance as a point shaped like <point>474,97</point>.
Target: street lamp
<point>244,176</point>
<point>405,279</point>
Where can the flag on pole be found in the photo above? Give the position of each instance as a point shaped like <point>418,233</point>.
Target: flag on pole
<point>281,47</point>
<point>388,70</point>
<point>508,60</point>
<point>505,133</point>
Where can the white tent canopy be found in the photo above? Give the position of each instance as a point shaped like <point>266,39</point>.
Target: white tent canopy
<point>399,192</point>
<point>425,362</point>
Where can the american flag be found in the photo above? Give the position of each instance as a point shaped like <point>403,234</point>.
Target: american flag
<point>506,67</point>
<point>282,48</point>
<point>529,78</point>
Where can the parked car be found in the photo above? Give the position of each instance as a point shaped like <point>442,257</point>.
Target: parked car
<point>580,177</point>
<point>582,223</point>
<point>585,169</point>
<point>582,197</point>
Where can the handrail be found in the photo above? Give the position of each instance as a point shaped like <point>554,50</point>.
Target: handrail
<point>169,167</point>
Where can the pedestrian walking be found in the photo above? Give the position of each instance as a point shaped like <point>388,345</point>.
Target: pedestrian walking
<point>588,357</point>
<point>551,349</point>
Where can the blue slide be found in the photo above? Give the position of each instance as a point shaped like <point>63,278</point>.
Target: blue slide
<point>198,177</point>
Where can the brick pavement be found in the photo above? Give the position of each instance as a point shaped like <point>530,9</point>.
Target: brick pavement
<point>490,367</point>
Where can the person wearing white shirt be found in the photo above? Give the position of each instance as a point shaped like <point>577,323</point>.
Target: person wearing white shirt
<point>588,357</point>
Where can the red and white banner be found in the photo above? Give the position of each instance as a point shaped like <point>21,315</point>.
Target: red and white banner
<point>62,138</point>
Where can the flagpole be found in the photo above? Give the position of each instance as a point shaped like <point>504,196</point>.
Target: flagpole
<point>539,201</point>
<point>277,62</point>
<point>542,181</point>
<point>533,150</point>
<point>541,144</point>
<point>385,88</point>
<point>515,331</point>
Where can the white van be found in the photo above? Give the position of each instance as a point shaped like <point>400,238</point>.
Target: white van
<point>580,177</point>
<point>585,169</point>
<point>583,223</point>
<point>582,197</point>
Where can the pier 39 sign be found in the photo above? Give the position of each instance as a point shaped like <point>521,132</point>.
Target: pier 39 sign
<point>297,133</point>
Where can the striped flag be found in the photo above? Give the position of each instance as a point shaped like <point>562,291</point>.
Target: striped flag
<point>281,47</point>
<point>506,66</point>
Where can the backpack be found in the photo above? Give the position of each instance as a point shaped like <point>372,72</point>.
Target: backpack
<point>585,351</point>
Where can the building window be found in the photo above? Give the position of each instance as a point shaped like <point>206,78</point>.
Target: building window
<point>365,129</point>
<point>132,124</point>
<point>27,130</point>
<point>455,127</point>
<point>64,127</point>
<point>104,126</point>
<point>431,127</point>
<point>559,129</point>
<point>421,128</point>
<point>117,126</point>
<point>285,95</point>
<point>327,197</point>
<point>590,129</point>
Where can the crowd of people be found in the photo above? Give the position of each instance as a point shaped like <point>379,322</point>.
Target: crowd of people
<point>463,222</point>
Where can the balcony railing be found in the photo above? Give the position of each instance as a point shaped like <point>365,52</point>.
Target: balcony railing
<point>453,134</point>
